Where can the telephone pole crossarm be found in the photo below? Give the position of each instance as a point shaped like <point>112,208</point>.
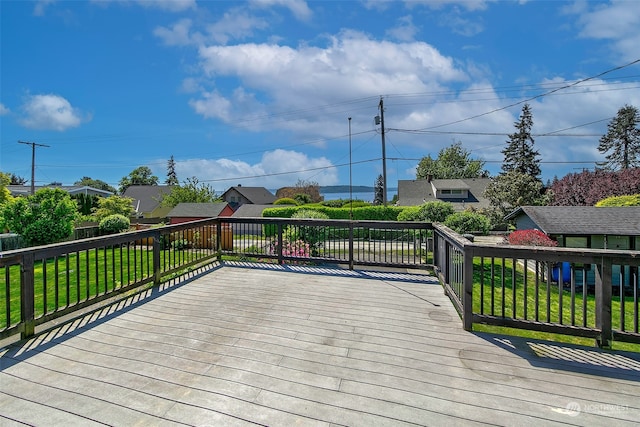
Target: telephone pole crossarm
<point>33,162</point>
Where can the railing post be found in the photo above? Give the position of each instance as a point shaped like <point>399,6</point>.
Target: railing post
<point>280,241</point>
<point>467,292</point>
<point>603,302</point>
<point>351,245</point>
<point>27,295</point>
<point>219,238</point>
<point>157,270</point>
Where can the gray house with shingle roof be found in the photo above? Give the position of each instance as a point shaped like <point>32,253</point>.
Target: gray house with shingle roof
<point>583,226</point>
<point>239,195</point>
<point>462,193</point>
<point>184,212</point>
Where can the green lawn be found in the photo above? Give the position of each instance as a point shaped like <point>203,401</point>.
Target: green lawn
<point>549,299</point>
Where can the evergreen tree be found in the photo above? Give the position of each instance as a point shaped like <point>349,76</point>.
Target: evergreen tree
<point>378,195</point>
<point>172,177</point>
<point>623,140</point>
<point>519,155</point>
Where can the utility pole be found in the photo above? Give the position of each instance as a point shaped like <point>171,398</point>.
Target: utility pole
<point>384,155</point>
<point>33,162</point>
<point>350,176</point>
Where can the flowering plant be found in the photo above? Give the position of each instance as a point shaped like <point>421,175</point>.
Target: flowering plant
<point>295,248</point>
<point>530,238</point>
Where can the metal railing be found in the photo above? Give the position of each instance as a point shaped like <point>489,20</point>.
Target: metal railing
<point>582,292</point>
<point>46,282</point>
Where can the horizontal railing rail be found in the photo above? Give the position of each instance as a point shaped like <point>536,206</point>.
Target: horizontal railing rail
<point>581,292</point>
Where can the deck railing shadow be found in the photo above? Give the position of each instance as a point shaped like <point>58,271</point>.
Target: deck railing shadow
<point>569,357</point>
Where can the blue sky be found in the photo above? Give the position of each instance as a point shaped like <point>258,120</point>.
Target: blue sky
<point>259,93</point>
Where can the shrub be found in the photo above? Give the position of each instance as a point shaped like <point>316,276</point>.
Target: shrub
<point>355,204</point>
<point>311,235</point>
<point>628,200</point>
<point>302,198</point>
<point>436,211</point>
<point>411,213</point>
<point>114,224</point>
<point>530,238</point>
<point>286,201</point>
<point>180,244</point>
<point>335,203</point>
<point>468,222</point>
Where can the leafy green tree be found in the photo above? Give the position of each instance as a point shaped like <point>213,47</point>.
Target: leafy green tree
<point>378,191</point>
<point>191,191</point>
<point>172,177</point>
<point>452,162</point>
<point>508,191</point>
<point>139,176</point>
<point>519,155</point>
<point>95,183</point>
<point>622,140</point>
<point>42,218</point>
<point>113,205</point>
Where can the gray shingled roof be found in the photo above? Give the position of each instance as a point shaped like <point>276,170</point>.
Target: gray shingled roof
<point>418,191</point>
<point>580,220</point>
<point>146,198</point>
<point>197,210</point>
<point>257,195</point>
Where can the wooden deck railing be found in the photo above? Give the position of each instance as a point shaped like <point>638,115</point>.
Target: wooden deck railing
<point>46,282</point>
<point>582,292</point>
<point>589,293</point>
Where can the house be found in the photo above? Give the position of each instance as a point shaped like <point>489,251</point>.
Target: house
<point>185,212</point>
<point>462,193</point>
<point>239,195</point>
<point>616,228</point>
<point>146,200</point>
<point>73,190</point>
<point>583,226</point>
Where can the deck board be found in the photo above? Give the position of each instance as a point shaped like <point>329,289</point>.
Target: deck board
<point>298,345</point>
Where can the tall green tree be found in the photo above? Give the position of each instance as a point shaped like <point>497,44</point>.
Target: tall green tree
<point>191,191</point>
<point>511,190</point>
<point>378,191</point>
<point>95,183</point>
<point>172,177</point>
<point>622,140</point>
<point>139,176</point>
<point>452,162</point>
<point>42,218</point>
<point>519,154</point>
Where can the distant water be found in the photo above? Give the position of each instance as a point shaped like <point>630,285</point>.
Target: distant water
<point>366,196</point>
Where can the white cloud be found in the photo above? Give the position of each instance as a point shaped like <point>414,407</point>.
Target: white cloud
<point>168,5</point>
<point>405,30</point>
<point>50,112</point>
<point>283,78</point>
<point>40,7</point>
<point>617,21</point>
<point>298,8</point>
<point>177,34</point>
<point>235,24</point>
<point>471,5</point>
<point>274,170</point>
<point>3,110</point>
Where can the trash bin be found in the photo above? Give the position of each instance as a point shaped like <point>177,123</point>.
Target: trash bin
<point>566,272</point>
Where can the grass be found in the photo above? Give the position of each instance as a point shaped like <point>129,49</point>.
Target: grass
<point>511,302</point>
<point>66,280</point>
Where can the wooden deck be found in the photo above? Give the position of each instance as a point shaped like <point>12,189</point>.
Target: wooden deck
<point>243,345</point>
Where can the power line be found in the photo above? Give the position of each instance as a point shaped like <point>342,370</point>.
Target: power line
<point>577,82</point>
